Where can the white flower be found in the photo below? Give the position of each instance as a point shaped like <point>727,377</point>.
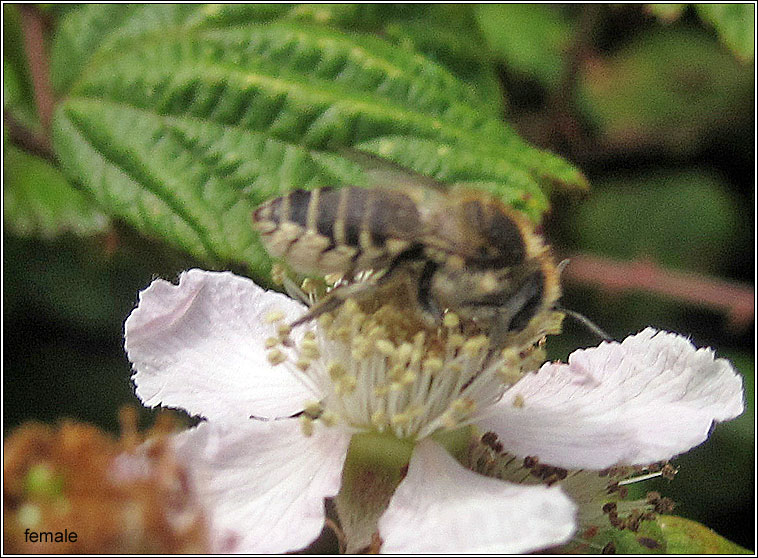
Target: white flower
<point>202,346</point>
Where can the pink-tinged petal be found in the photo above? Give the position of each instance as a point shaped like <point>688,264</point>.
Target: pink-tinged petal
<point>644,400</point>
<point>199,346</point>
<point>263,484</point>
<point>442,507</point>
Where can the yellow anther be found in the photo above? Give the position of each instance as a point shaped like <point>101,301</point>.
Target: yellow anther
<point>325,320</point>
<point>408,378</point>
<point>451,320</point>
<point>345,385</point>
<point>510,356</point>
<point>274,316</point>
<point>276,357</point>
<point>518,401</point>
<point>306,424</point>
<point>312,409</point>
<point>309,349</point>
<point>396,372</point>
<point>310,336</point>
<point>396,386</point>
<point>283,330</point>
<point>271,342</point>
<point>404,352</point>
<point>336,370</point>
<point>455,340</point>
<point>432,365</point>
<point>303,364</point>
<point>385,347</point>
<point>342,333</point>
<point>475,345</point>
<point>328,419</point>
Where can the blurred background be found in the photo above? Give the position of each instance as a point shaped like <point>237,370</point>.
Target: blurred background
<point>654,104</point>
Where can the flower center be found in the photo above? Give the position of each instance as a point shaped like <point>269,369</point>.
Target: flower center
<point>377,369</point>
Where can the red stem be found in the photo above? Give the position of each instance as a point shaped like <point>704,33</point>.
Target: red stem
<point>736,299</point>
<point>33,26</point>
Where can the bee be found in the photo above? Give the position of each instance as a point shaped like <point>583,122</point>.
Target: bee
<point>461,250</point>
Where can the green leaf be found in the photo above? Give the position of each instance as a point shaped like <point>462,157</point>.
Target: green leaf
<point>531,39</point>
<point>98,30</point>
<point>40,202</point>
<point>647,211</point>
<point>449,34</point>
<point>183,132</point>
<point>735,24</point>
<point>684,536</point>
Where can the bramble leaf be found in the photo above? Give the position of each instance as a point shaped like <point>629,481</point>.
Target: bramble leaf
<point>40,202</point>
<point>182,122</point>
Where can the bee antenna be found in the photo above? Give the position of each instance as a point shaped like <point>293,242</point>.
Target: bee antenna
<point>586,322</point>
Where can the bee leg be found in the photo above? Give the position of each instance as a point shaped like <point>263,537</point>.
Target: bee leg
<point>294,291</point>
<point>358,290</point>
<point>516,314</point>
<point>430,310</point>
<point>336,298</point>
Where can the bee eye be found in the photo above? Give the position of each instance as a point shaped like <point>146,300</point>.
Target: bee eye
<point>533,288</point>
<point>503,242</point>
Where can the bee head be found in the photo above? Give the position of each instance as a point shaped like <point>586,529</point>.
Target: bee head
<point>505,299</point>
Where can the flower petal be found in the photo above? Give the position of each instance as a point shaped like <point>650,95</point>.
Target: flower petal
<point>443,507</point>
<point>644,400</point>
<point>263,483</point>
<point>199,346</point>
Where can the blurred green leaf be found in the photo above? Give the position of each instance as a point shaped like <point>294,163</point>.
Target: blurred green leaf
<point>684,536</point>
<point>531,39</point>
<point>183,133</point>
<point>684,219</point>
<point>669,88</point>
<point>735,24</point>
<point>39,201</point>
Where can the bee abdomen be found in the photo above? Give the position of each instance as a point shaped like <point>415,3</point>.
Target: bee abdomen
<point>329,231</point>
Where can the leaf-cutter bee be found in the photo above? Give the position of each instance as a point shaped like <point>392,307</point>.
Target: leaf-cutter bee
<point>461,249</point>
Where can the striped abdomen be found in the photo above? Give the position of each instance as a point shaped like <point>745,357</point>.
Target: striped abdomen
<point>338,231</point>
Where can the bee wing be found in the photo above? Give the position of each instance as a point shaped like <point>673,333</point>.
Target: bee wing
<point>442,224</point>
<point>383,173</point>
